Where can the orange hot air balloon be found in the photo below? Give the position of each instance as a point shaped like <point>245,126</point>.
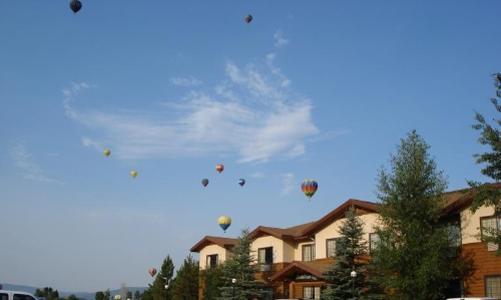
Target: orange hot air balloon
<point>309,187</point>
<point>152,271</point>
<point>219,168</point>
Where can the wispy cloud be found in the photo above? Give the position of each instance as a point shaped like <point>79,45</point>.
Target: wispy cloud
<point>279,39</point>
<point>185,81</point>
<point>288,183</point>
<point>29,169</point>
<point>252,113</point>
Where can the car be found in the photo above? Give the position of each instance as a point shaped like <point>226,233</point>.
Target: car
<point>15,295</point>
<point>474,298</point>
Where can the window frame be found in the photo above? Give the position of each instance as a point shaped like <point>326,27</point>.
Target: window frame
<point>482,227</point>
<point>313,250</point>
<point>327,247</point>
<point>485,283</point>
<point>266,262</point>
<point>313,291</point>
<point>370,241</point>
<point>208,259</point>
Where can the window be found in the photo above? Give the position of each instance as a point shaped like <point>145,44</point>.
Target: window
<point>488,228</point>
<point>373,241</point>
<point>310,292</point>
<point>308,252</point>
<point>22,297</point>
<point>454,234</point>
<point>493,286</point>
<point>211,261</point>
<point>265,256</point>
<point>330,245</point>
<point>4,296</point>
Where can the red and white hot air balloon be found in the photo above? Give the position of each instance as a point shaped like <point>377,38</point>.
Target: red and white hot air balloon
<point>152,272</point>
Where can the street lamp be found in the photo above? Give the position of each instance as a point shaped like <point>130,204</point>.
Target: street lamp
<point>166,286</point>
<point>353,275</point>
<point>233,281</point>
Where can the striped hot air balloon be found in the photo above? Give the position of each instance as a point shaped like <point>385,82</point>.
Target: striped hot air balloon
<point>224,222</point>
<point>309,187</point>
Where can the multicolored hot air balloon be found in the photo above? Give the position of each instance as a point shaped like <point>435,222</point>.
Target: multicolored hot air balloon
<point>152,271</point>
<point>248,19</point>
<point>224,222</point>
<point>133,173</point>
<point>241,181</point>
<point>107,152</point>
<point>75,5</point>
<point>205,182</point>
<point>219,168</point>
<point>309,187</point>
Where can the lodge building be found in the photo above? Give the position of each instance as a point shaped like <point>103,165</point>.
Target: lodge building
<point>291,261</point>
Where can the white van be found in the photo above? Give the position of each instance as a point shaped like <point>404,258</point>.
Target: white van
<point>13,295</point>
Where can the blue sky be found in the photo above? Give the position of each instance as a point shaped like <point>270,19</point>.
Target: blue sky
<point>322,90</point>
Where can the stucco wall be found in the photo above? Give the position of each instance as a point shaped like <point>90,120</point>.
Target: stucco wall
<point>470,224</point>
<point>210,250</point>
<point>331,231</point>
<point>269,241</point>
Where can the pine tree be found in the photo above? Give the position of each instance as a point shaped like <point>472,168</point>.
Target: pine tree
<point>412,255</point>
<point>157,291</point>
<point>488,195</point>
<point>238,281</point>
<point>185,285</point>
<point>212,280</point>
<point>350,247</point>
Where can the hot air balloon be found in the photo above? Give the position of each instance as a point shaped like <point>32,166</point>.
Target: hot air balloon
<point>224,222</point>
<point>219,168</point>
<point>205,182</point>
<point>152,271</point>
<point>241,181</point>
<point>75,5</point>
<point>133,173</point>
<point>248,19</point>
<point>309,187</point>
<point>107,152</point>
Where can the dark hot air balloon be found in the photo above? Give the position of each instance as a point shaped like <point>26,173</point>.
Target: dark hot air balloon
<point>241,181</point>
<point>309,187</point>
<point>248,19</point>
<point>205,182</point>
<point>75,5</point>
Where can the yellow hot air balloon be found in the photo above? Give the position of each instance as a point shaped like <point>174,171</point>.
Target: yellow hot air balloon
<point>133,173</point>
<point>224,222</point>
<point>107,152</point>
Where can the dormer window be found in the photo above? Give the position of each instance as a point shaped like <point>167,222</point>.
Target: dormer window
<point>211,261</point>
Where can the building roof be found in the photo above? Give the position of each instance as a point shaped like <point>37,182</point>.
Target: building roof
<point>214,240</point>
<point>303,231</point>
<point>299,267</point>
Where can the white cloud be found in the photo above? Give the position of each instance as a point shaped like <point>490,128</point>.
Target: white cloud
<point>30,170</point>
<point>279,39</point>
<point>252,113</point>
<point>288,183</point>
<point>185,82</point>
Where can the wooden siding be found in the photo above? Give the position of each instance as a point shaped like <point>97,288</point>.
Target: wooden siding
<point>484,263</point>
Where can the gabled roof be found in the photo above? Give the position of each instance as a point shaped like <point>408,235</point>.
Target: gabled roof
<point>214,240</point>
<point>303,231</point>
<point>298,267</point>
<point>457,200</point>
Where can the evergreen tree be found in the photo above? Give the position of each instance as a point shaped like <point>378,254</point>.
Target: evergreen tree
<point>48,293</point>
<point>238,281</point>
<point>350,247</point>
<point>488,195</point>
<point>137,295</point>
<point>129,295</point>
<point>212,280</point>
<point>107,295</point>
<point>157,291</point>
<point>99,295</point>
<point>413,254</point>
<point>185,286</point>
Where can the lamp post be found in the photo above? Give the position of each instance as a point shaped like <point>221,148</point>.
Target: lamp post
<point>233,281</point>
<point>353,275</point>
